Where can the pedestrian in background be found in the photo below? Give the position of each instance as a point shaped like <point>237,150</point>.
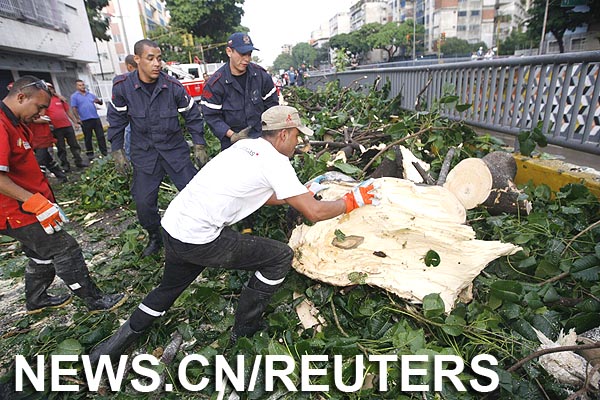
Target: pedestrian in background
<point>237,94</point>
<point>197,233</point>
<point>62,119</point>
<point>292,76</point>
<point>29,213</point>
<point>42,142</point>
<point>301,75</point>
<point>151,101</point>
<point>83,104</point>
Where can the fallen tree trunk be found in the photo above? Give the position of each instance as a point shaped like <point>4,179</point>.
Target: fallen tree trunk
<point>488,181</point>
<point>387,245</point>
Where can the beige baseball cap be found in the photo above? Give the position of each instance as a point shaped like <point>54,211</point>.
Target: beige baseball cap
<point>282,117</point>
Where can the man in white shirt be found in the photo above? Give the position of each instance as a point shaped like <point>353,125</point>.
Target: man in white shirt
<point>197,233</point>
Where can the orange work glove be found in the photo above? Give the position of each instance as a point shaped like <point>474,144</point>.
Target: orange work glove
<point>361,195</point>
<point>50,215</point>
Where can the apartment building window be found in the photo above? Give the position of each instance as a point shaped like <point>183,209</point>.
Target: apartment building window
<point>462,13</point>
<point>461,28</point>
<point>577,44</point>
<point>116,38</point>
<point>475,12</point>
<point>49,14</point>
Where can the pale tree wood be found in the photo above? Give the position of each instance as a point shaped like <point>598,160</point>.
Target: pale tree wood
<point>470,181</point>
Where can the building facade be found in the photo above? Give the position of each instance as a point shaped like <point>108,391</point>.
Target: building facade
<point>51,40</point>
<point>130,21</point>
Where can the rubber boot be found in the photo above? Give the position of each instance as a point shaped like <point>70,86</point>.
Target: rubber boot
<point>154,243</point>
<point>95,299</point>
<point>248,316</point>
<point>115,345</point>
<point>38,279</point>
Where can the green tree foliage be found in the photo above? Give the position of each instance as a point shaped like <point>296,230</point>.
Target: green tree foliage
<point>303,53</point>
<point>98,23</point>
<point>354,42</point>
<point>560,19</point>
<point>283,61</point>
<point>171,44</point>
<point>453,46</point>
<point>210,21</point>
<point>517,41</point>
<point>394,37</point>
<point>322,56</point>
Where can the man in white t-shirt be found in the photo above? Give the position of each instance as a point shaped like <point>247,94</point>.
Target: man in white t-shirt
<point>197,233</point>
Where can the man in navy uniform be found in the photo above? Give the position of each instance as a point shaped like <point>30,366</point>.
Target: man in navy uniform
<point>151,101</point>
<point>237,94</point>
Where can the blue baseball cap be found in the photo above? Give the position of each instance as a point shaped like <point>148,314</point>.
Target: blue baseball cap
<point>241,43</point>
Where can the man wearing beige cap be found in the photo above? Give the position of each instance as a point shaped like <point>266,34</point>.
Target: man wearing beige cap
<point>197,233</point>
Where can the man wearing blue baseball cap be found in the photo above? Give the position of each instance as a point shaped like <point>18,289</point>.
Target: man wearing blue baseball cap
<point>237,94</point>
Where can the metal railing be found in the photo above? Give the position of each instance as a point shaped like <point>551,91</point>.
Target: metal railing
<point>562,92</point>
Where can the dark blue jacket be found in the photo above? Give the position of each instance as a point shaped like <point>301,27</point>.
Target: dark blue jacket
<point>225,105</point>
<point>154,120</point>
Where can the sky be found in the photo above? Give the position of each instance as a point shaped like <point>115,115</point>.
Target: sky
<point>273,23</point>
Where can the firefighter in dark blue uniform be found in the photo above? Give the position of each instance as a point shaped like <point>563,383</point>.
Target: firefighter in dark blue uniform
<point>237,94</point>
<point>151,101</point>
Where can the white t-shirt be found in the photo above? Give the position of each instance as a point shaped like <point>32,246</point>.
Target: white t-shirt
<point>230,187</point>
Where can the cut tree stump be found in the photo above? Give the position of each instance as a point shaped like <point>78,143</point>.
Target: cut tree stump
<point>470,181</point>
<point>488,181</point>
<point>504,196</point>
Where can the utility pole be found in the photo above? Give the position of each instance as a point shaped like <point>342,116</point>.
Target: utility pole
<point>414,37</point>
<point>541,49</point>
<point>99,59</point>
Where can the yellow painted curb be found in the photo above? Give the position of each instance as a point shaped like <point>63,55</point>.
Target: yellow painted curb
<point>555,173</point>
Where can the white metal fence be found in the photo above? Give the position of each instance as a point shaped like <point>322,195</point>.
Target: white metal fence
<point>507,95</point>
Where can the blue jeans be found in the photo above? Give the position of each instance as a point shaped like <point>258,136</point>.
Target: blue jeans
<point>270,259</point>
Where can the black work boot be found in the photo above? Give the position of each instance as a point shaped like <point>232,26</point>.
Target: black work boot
<point>37,280</point>
<point>248,316</point>
<point>79,162</point>
<point>95,299</point>
<point>154,243</point>
<point>60,175</point>
<point>115,345</point>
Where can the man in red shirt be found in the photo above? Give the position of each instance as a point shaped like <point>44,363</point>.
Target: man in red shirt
<point>28,209</point>
<point>61,116</point>
<point>41,140</point>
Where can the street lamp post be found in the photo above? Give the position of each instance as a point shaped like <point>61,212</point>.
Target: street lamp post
<point>414,37</point>
<point>541,49</point>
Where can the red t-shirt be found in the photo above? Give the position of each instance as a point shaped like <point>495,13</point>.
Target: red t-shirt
<point>41,136</point>
<point>57,111</point>
<point>18,161</point>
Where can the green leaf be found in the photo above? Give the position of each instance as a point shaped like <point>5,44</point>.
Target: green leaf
<point>433,305</point>
<point>570,210</point>
<point>454,325</point>
<point>432,258</point>
<point>507,290</point>
<point>586,268</point>
<point>463,107</point>
<point>448,99</point>
<point>339,235</point>
<point>347,168</point>
<point>69,347</point>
